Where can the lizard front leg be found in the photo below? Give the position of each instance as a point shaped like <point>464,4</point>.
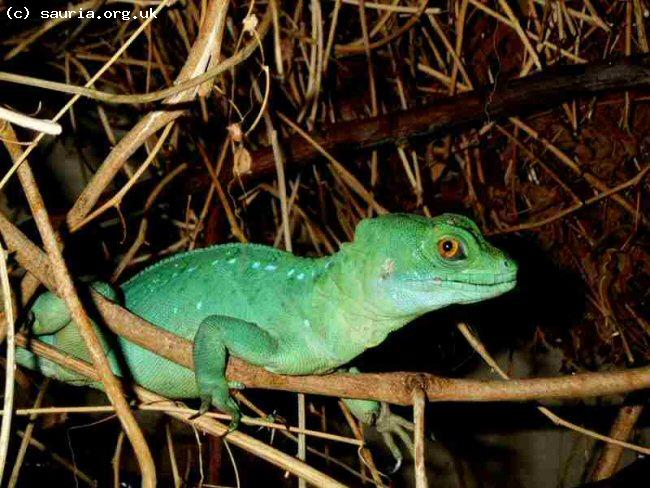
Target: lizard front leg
<point>217,337</point>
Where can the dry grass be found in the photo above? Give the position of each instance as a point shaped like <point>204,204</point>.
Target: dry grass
<point>572,180</point>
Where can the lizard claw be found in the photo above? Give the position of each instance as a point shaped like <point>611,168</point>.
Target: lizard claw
<point>206,403</point>
<point>205,406</point>
<point>390,425</point>
<point>387,424</point>
<point>234,422</point>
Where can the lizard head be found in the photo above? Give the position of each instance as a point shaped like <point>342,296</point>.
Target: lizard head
<point>415,264</point>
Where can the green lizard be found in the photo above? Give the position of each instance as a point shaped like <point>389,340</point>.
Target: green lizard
<point>289,314</point>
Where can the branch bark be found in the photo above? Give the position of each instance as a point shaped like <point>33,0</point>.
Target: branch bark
<point>394,388</point>
<point>621,430</point>
<point>513,97</point>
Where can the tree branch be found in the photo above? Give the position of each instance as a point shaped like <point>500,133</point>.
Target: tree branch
<point>205,424</point>
<point>394,388</point>
<point>622,429</point>
<point>513,97</point>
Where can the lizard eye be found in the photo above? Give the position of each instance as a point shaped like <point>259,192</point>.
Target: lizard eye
<point>450,248</point>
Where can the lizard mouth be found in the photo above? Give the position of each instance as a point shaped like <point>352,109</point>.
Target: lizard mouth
<point>494,280</point>
<point>500,281</point>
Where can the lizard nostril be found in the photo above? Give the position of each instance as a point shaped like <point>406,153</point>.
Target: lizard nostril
<point>509,266</point>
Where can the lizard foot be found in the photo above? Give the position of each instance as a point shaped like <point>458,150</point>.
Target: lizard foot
<point>231,408</point>
<point>224,403</point>
<point>390,425</point>
<point>206,402</point>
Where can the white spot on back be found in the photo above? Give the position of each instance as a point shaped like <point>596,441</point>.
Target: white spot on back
<point>199,305</point>
<point>256,265</point>
<point>270,267</point>
<point>192,268</point>
<point>215,262</point>
<point>175,310</point>
<point>291,272</point>
<point>307,323</point>
<point>232,260</point>
<point>301,276</point>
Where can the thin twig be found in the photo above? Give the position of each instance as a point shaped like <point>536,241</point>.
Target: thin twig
<point>66,288</point>
<point>116,200</point>
<point>137,98</point>
<point>621,430</point>
<point>22,450</point>
<point>556,419</point>
<point>389,387</point>
<point>22,120</point>
<point>22,157</point>
<point>76,472</point>
<point>8,401</point>
<point>419,404</point>
<point>201,50</point>
<point>153,407</point>
<point>577,206</point>
<point>348,177</point>
<point>203,423</point>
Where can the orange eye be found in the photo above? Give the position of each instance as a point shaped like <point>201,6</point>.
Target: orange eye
<point>450,248</point>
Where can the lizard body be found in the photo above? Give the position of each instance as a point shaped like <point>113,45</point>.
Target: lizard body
<point>288,314</point>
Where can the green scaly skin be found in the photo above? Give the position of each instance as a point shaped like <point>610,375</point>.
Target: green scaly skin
<point>288,314</point>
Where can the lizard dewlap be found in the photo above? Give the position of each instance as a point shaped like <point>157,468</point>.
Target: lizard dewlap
<point>288,314</point>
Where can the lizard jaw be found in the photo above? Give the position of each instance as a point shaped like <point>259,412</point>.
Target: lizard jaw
<point>468,291</point>
<point>502,280</point>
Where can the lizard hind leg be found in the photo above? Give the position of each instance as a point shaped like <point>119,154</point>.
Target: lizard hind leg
<point>51,323</point>
<point>388,424</point>
<point>49,313</point>
<point>217,337</point>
